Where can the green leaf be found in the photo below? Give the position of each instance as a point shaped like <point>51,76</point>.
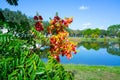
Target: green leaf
<point>13,63</point>
<point>29,64</point>
<point>30,58</point>
<point>15,72</point>
<point>30,69</point>
<point>33,75</point>
<point>20,76</point>
<point>40,73</point>
<point>17,62</point>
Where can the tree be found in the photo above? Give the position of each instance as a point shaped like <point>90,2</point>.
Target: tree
<point>13,2</point>
<point>2,18</point>
<point>113,30</point>
<point>87,32</point>
<point>15,21</point>
<point>95,33</point>
<point>103,32</point>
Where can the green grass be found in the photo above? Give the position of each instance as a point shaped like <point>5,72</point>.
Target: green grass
<point>84,72</point>
<point>75,39</point>
<point>101,39</point>
<point>79,39</point>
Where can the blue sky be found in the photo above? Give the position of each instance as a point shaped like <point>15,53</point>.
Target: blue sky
<point>86,13</point>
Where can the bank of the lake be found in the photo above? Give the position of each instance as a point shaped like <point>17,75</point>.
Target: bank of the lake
<point>80,39</point>
<point>85,72</point>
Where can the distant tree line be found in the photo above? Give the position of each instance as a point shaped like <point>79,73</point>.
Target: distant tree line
<point>112,31</point>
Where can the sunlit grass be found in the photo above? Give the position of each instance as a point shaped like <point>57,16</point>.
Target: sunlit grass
<point>84,72</point>
<point>75,39</point>
<point>80,39</point>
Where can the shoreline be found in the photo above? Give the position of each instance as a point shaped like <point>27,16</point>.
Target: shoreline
<point>81,39</point>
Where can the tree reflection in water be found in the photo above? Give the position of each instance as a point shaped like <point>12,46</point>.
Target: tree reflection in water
<point>112,48</point>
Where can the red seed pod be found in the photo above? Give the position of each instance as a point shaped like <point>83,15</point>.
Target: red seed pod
<point>56,18</point>
<point>40,17</point>
<point>62,21</point>
<point>57,58</point>
<point>69,55</point>
<point>35,18</point>
<point>39,26</point>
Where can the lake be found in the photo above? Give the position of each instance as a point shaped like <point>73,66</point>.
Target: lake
<point>94,53</point>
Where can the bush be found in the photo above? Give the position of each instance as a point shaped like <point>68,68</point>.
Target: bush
<point>18,63</point>
<point>20,60</point>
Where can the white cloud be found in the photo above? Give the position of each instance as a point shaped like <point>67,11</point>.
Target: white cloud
<point>91,26</point>
<point>86,25</point>
<point>83,7</point>
<point>103,27</point>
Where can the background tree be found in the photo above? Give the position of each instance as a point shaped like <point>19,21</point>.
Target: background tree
<point>96,32</point>
<point>13,2</point>
<point>113,30</point>
<point>87,32</point>
<point>103,33</point>
<point>2,18</point>
<point>15,22</point>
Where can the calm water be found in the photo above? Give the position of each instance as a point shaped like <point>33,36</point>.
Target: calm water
<point>95,54</point>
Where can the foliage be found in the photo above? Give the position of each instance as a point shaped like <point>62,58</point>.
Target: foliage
<point>91,33</point>
<point>56,71</point>
<point>87,32</point>
<point>20,58</point>
<point>14,21</point>
<point>114,30</point>
<point>1,16</point>
<point>18,62</point>
<point>13,2</point>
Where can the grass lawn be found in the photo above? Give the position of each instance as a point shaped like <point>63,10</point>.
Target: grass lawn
<point>84,72</point>
<point>79,39</point>
<point>75,39</point>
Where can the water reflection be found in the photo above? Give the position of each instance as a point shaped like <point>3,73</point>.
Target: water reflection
<point>93,53</point>
<point>112,48</point>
